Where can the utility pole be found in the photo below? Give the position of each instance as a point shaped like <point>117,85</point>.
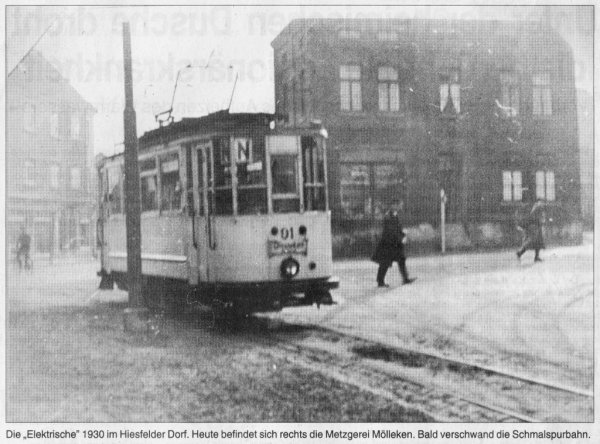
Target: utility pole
<point>136,314</point>
<point>443,200</point>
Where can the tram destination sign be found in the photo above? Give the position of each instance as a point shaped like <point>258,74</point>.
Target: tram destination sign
<point>277,248</point>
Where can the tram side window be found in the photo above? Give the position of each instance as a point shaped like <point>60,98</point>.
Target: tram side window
<point>148,181</point>
<point>251,181</point>
<point>314,175</point>
<point>114,187</point>
<point>223,193</point>
<point>201,183</point>
<point>222,162</point>
<point>170,185</point>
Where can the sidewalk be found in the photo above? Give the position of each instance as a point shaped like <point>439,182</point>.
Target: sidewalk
<point>482,307</point>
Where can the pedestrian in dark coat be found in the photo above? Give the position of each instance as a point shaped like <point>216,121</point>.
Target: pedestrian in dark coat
<point>23,247</point>
<point>391,248</point>
<point>533,236</point>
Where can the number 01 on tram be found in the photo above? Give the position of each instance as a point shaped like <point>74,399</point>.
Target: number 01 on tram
<point>234,214</point>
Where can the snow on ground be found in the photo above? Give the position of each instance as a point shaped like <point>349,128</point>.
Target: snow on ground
<point>483,307</point>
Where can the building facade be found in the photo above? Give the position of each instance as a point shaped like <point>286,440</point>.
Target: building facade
<point>484,110</point>
<point>49,155</point>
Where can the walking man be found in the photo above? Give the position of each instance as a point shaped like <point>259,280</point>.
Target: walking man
<point>23,246</point>
<point>533,237</point>
<point>391,247</point>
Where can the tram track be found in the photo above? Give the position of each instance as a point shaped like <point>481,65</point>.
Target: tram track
<point>445,389</point>
<point>462,363</point>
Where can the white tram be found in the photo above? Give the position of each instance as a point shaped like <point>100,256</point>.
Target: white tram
<point>234,214</point>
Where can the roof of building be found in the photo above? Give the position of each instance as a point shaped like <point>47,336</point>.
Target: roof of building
<point>36,78</point>
<point>421,27</point>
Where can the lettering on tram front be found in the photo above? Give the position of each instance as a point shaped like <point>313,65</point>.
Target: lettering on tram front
<point>288,241</point>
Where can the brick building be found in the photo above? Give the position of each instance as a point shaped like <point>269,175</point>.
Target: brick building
<point>485,110</point>
<point>49,151</point>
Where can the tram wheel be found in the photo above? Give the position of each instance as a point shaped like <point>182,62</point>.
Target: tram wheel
<point>163,295</point>
<point>152,292</point>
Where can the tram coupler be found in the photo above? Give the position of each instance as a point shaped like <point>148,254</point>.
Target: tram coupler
<point>106,280</point>
<point>325,299</point>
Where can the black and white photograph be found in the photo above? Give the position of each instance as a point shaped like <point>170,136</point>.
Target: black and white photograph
<point>272,223</point>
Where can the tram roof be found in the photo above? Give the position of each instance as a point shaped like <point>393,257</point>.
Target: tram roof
<point>217,121</point>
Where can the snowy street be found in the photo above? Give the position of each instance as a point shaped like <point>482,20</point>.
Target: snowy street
<point>487,308</point>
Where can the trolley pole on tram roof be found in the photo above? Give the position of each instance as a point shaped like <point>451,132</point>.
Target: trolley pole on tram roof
<point>136,314</point>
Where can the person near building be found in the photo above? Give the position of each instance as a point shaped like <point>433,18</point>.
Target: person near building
<point>391,247</point>
<point>531,226</point>
<point>23,247</point>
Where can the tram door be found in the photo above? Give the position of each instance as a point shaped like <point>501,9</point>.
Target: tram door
<point>204,222</point>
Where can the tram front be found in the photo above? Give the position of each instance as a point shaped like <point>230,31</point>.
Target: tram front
<point>267,222</point>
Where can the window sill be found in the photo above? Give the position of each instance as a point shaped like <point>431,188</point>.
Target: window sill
<point>511,203</point>
<point>361,113</point>
<point>399,113</point>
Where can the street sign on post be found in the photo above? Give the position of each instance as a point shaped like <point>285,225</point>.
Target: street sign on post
<point>136,314</point>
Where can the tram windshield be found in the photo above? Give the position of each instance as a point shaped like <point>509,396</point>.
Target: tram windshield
<point>243,173</point>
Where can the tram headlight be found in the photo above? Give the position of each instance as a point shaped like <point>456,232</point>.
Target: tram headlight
<point>289,268</point>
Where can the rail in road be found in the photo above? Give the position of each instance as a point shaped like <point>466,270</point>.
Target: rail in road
<point>440,388</point>
<point>447,390</point>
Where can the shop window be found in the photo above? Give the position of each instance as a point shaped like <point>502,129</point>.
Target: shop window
<point>512,186</point>
<point>450,93</point>
<point>313,175</point>
<point>148,183</point>
<point>389,91</point>
<point>355,186</point>
<point>389,187</point>
<point>170,185</point>
<point>544,185</point>
<point>350,89</point>
<point>542,95</point>
<point>251,179</point>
